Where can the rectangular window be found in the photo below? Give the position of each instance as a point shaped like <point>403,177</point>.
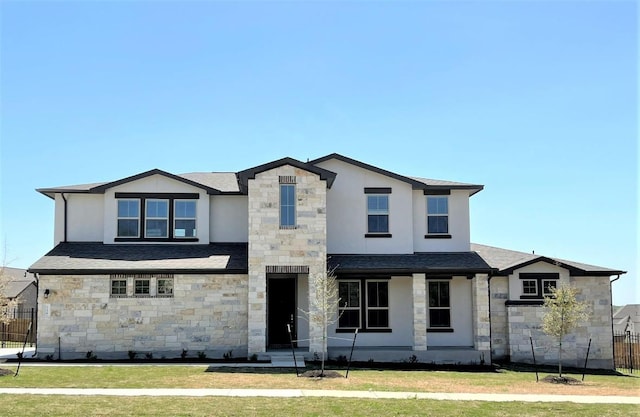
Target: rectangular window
<point>547,286</point>
<point>128,218</point>
<point>349,293</point>
<point>439,304</point>
<point>437,215</point>
<point>529,287</point>
<point>287,205</point>
<point>157,218</point>
<point>165,287</point>
<point>118,287</point>
<point>184,223</point>
<point>537,286</point>
<point>363,310</point>
<point>377,213</point>
<point>141,287</point>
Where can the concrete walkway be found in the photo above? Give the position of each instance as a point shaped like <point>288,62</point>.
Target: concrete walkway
<point>298,393</point>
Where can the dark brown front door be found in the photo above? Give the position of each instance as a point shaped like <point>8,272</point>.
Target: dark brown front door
<point>281,310</point>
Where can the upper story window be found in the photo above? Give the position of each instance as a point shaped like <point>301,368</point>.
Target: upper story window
<point>128,218</point>
<point>377,212</point>
<point>163,217</point>
<point>287,206</point>
<point>538,286</point>
<point>437,215</point>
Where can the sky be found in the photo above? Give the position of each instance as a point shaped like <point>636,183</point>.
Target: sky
<point>535,100</point>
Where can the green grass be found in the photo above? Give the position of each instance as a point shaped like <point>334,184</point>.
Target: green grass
<point>31,405</point>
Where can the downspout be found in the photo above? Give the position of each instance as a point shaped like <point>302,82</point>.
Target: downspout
<point>35,275</point>
<point>490,323</point>
<point>613,341</point>
<point>65,217</point>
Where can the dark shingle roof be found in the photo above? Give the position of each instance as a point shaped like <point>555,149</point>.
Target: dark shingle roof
<point>506,261</point>
<point>97,258</point>
<point>16,281</point>
<point>463,263</point>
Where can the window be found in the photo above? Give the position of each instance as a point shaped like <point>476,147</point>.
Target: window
<point>118,287</point>
<point>437,215</point>
<point>439,304</point>
<point>287,206</point>
<point>377,213</point>
<point>184,223</point>
<point>141,287</point>
<point>537,286</point>
<point>157,218</point>
<point>365,311</point>
<point>165,287</point>
<point>128,218</point>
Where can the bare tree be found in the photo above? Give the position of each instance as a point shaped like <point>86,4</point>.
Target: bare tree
<point>563,313</point>
<point>323,306</point>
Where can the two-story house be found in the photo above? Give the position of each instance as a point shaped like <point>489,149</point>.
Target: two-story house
<point>218,262</point>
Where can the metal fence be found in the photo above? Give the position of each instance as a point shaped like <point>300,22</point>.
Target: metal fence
<point>626,350</point>
<point>15,333</point>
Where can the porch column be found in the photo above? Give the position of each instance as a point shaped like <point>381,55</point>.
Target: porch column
<point>316,329</point>
<point>481,323</point>
<point>257,314</point>
<point>419,312</point>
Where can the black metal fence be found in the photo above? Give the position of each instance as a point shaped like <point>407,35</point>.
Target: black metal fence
<point>14,333</point>
<point>626,350</point>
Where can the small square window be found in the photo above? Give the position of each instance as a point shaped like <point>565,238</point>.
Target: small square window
<point>118,287</point>
<point>548,286</point>
<point>165,286</point>
<point>142,287</point>
<point>529,287</point>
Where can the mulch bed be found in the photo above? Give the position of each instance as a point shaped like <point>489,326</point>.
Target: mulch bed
<point>317,373</point>
<point>567,380</point>
<point>4,372</point>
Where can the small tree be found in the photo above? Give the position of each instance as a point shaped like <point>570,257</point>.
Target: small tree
<point>323,307</point>
<point>6,304</point>
<point>563,313</point>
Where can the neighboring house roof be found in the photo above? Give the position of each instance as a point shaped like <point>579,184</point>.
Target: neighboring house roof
<point>415,182</point>
<point>507,261</point>
<point>85,258</point>
<point>627,318</point>
<point>247,174</point>
<point>464,263</point>
<point>17,281</point>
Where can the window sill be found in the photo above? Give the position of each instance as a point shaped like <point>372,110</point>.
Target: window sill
<point>439,330</point>
<point>384,330</point>
<point>437,236</point>
<point>377,235</point>
<point>156,239</point>
<point>288,227</point>
<point>537,302</point>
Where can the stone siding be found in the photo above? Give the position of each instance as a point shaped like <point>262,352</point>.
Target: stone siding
<point>269,245</point>
<point>481,323</point>
<point>207,313</point>
<point>499,331</point>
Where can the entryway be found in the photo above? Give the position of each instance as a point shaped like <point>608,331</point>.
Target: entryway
<point>281,309</point>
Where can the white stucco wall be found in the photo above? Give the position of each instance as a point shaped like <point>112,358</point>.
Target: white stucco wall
<point>85,214</point>
<point>347,211</point>
<point>515,283</point>
<point>461,316</point>
<point>229,218</point>
<point>458,223</point>
<point>155,184</point>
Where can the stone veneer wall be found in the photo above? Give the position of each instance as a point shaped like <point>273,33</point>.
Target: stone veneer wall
<point>527,320</point>
<point>499,287</point>
<point>420,324</point>
<point>269,245</point>
<point>481,323</point>
<point>207,313</point>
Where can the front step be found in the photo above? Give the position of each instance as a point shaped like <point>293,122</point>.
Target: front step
<point>285,359</point>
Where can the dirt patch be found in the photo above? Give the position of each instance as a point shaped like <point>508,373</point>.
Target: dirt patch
<point>566,380</point>
<point>4,372</point>
<point>317,373</point>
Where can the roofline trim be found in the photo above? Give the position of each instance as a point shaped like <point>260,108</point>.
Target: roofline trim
<point>250,173</point>
<point>573,270</point>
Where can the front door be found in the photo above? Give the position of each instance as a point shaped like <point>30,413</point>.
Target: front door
<point>281,310</point>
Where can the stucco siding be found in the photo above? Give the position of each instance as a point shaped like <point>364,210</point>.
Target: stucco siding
<point>458,202</point>
<point>229,220</point>
<point>461,316</point>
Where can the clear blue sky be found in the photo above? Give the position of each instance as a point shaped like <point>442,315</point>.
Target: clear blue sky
<point>535,100</point>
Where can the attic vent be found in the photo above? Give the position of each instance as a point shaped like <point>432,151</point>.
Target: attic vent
<point>287,179</point>
<point>287,269</point>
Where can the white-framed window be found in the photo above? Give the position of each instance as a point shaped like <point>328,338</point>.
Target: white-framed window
<point>364,304</point>
<point>118,287</point>
<point>529,287</point>
<point>536,286</point>
<point>548,285</point>
<point>164,287</point>
<point>184,218</point>
<point>437,215</point>
<point>128,218</point>
<point>156,218</point>
<point>439,304</point>
<point>377,213</point>
<point>287,206</point>
<point>142,286</point>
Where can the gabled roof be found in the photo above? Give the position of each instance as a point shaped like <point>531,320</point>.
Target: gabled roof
<point>16,281</point>
<point>100,188</point>
<point>625,317</point>
<point>88,258</point>
<point>415,182</point>
<point>507,261</point>
<point>442,263</point>
<point>247,174</point>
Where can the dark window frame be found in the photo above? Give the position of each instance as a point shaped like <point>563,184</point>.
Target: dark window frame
<point>364,306</point>
<point>540,279</point>
<point>378,192</point>
<point>437,234</point>
<point>446,327</point>
<point>142,225</point>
